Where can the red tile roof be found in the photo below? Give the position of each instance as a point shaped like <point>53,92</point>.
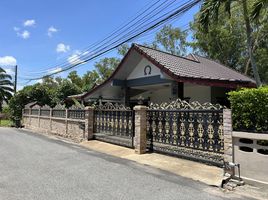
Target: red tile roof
<point>194,66</point>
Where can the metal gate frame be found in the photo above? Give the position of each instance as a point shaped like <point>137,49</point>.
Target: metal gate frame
<point>114,123</point>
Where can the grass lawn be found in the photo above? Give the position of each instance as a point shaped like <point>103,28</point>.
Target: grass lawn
<point>5,123</point>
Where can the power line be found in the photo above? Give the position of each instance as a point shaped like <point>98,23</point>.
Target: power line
<point>129,36</point>
<point>141,20</point>
<point>124,26</point>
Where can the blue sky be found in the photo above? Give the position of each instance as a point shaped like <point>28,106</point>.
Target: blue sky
<point>37,35</point>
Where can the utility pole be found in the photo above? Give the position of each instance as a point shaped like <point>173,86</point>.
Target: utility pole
<point>16,79</point>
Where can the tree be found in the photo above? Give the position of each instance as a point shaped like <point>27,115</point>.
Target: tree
<point>75,79</point>
<point>210,13</point>
<point>258,6</point>
<point>106,66</point>
<point>172,40</point>
<point>123,49</point>
<point>90,79</point>
<point>67,88</point>
<point>224,41</point>
<point>5,87</point>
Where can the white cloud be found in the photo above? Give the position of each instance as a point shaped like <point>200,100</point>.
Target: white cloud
<point>24,34</point>
<point>75,58</point>
<point>62,48</point>
<point>8,61</point>
<point>55,70</point>
<point>16,29</point>
<point>29,22</point>
<point>51,30</point>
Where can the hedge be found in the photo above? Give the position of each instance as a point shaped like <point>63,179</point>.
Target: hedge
<point>250,109</point>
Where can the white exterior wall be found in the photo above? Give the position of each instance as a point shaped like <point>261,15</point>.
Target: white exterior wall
<point>156,95</point>
<point>198,93</point>
<point>138,72</point>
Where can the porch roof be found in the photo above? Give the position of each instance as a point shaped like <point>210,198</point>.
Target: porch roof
<point>193,68</point>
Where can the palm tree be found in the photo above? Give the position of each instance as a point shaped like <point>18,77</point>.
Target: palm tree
<point>6,88</point>
<point>258,6</point>
<point>210,12</point>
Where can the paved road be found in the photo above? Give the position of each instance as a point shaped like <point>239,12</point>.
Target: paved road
<point>35,167</point>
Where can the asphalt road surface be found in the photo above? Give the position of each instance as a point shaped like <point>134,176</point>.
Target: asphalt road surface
<point>36,167</point>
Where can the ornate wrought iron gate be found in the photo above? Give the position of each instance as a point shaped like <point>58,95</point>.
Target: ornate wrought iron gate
<point>114,124</point>
<point>195,134</point>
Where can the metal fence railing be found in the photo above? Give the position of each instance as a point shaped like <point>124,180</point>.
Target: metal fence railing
<point>190,133</point>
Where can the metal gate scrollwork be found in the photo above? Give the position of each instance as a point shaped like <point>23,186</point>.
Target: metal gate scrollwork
<point>190,130</point>
<point>114,123</point>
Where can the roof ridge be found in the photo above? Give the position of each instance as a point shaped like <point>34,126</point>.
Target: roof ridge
<point>218,62</point>
<point>139,45</point>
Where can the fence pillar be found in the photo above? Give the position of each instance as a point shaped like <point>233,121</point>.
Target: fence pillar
<point>66,121</point>
<point>89,122</point>
<point>30,118</point>
<point>228,144</point>
<point>50,119</point>
<point>39,114</point>
<point>140,141</point>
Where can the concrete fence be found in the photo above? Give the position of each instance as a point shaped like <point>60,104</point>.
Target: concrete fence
<point>69,123</point>
<point>78,124</point>
<point>249,150</point>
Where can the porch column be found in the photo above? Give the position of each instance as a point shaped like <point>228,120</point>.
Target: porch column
<point>126,96</point>
<point>140,141</point>
<point>177,90</point>
<point>89,122</point>
<point>228,144</point>
<point>180,90</point>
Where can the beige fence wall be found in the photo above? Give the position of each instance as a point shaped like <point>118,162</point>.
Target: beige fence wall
<point>61,126</point>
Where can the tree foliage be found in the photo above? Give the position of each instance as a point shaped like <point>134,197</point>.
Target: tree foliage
<point>226,39</point>
<point>6,88</point>
<point>172,40</point>
<point>106,66</point>
<point>258,7</point>
<point>209,14</point>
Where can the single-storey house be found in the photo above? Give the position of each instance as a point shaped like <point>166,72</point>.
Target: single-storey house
<point>155,76</point>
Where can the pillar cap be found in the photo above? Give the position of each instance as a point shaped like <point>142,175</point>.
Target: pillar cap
<point>89,108</point>
<point>140,107</point>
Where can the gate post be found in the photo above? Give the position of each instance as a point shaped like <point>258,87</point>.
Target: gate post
<point>228,140</point>
<point>140,141</point>
<point>89,122</point>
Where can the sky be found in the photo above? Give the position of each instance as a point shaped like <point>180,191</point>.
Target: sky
<point>38,35</point>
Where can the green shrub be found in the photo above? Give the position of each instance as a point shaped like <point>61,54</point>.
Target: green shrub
<point>6,112</point>
<point>250,109</point>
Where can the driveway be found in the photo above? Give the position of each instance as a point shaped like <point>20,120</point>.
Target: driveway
<point>34,166</point>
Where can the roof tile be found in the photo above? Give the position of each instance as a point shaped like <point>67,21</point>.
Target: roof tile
<point>194,66</point>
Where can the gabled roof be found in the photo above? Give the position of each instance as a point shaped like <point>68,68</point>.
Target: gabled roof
<point>194,68</point>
